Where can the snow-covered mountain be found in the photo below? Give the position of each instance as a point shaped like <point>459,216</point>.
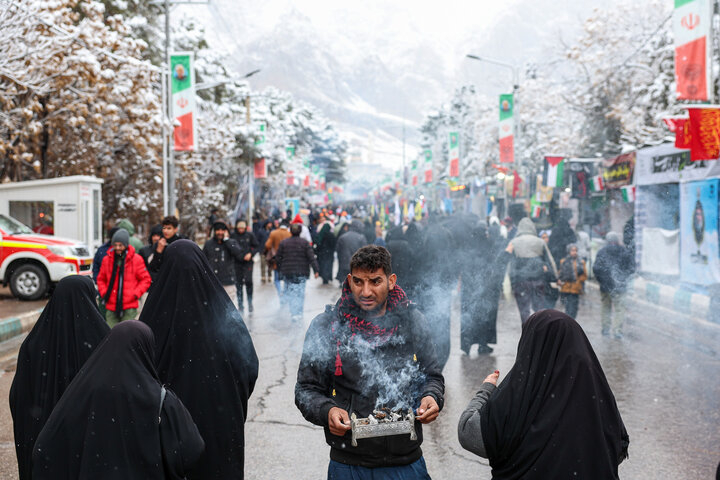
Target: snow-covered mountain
<point>374,66</point>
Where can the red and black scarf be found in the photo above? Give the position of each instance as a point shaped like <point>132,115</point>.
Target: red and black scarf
<point>352,317</point>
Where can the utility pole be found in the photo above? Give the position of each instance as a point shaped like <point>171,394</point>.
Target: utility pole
<point>251,172</point>
<point>169,160</point>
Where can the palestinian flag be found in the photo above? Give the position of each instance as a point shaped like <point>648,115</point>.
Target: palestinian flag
<point>628,193</point>
<point>553,171</point>
<point>597,184</point>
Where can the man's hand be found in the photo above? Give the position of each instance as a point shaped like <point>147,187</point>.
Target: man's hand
<point>510,248</point>
<point>162,243</point>
<point>428,410</point>
<point>247,257</point>
<point>339,421</point>
<point>317,274</point>
<point>492,378</point>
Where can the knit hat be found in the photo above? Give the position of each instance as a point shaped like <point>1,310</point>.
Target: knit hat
<point>297,219</point>
<point>121,236</point>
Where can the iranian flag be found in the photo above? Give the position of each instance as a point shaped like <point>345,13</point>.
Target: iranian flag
<point>428,176</point>
<point>536,211</point>
<point>692,29</point>
<point>553,172</point>
<point>428,166</point>
<point>597,184</point>
<point>182,96</point>
<point>454,154</point>
<point>290,177</point>
<point>260,169</point>
<point>628,193</point>
<point>507,153</point>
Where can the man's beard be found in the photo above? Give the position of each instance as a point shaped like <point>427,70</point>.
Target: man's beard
<point>375,311</point>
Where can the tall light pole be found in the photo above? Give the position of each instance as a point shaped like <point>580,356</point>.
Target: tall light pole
<point>516,87</point>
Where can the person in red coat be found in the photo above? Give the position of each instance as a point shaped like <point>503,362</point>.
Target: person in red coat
<point>122,280</point>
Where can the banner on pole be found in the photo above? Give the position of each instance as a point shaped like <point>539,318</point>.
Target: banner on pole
<point>692,29</point>
<point>704,133</point>
<point>260,169</point>
<point>289,153</point>
<point>506,129</point>
<point>454,154</point>
<point>182,95</point>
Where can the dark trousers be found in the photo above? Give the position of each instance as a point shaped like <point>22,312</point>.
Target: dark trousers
<point>244,278</point>
<point>530,297</point>
<point>415,471</point>
<point>571,301</point>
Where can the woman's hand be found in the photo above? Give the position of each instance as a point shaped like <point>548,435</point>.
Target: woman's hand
<point>492,378</point>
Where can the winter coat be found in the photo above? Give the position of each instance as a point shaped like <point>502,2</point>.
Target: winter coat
<point>157,257</point>
<point>276,236</point>
<point>223,257</point>
<point>530,255</point>
<point>136,279</point>
<point>323,384</point>
<point>613,266</point>
<point>262,235</point>
<point>573,274</point>
<point>100,255</point>
<point>294,258</point>
<point>346,246</point>
<point>562,235</point>
<point>248,244</point>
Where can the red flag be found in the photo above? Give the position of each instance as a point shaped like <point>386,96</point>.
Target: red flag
<point>516,183</point>
<point>414,180</point>
<point>704,133</point>
<point>455,167</point>
<point>260,170</point>
<point>682,133</point>
<point>306,181</point>
<point>290,177</point>
<point>428,176</point>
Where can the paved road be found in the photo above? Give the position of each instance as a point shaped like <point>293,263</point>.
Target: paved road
<point>664,374</point>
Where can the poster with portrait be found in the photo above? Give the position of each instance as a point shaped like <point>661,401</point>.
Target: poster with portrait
<point>699,262</point>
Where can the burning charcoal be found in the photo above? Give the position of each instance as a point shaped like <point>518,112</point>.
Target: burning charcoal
<point>372,420</point>
<point>379,415</point>
<point>395,417</point>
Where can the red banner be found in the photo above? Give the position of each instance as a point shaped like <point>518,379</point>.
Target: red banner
<point>428,176</point>
<point>290,177</point>
<point>414,180</point>
<point>260,169</point>
<point>306,181</point>
<point>183,135</point>
<point>455,167</point>
<point>682,133</point>
<point>704,133</point>
<point>516,183</point>
<point>507,154</point>
<point>690,70</point>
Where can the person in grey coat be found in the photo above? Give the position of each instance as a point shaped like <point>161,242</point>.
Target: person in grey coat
<point>346,246</point>
<point>531,259</point>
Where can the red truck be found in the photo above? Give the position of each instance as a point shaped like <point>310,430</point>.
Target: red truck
<point>31,262</point>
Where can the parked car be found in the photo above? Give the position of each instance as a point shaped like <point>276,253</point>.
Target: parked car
<point>31,262</point>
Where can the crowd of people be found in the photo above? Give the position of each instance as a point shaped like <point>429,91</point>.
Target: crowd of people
<point>161,332</point>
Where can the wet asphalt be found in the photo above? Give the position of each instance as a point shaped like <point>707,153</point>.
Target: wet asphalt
<point>664,374</point>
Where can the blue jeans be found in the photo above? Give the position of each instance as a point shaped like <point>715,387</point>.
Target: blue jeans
<point>415,471</point>
<point>277,278</point>
<point>295,294</point>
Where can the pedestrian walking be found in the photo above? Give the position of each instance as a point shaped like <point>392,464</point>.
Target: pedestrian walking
<point>614,264</point>
<point>68,330</point>
<point>305,233</point>
<point>530,261</point>
<point>100,254</point>
<point>223,252</point>
<point>571,277</point>
<point>271,247</point>
<point>554,415</point>
<point>205,354</point>
<point>294,258</point>
<point>249,246</point>
<point>347,244</point>
<point>122,280</point>
<point>562,235</point>
<point>262,236</point>
<point>128,225</point>
<point>147,250</point>
<point>370,350</point>
<point>170,227</point>
<point>117,420</point>
<point>325,250</point>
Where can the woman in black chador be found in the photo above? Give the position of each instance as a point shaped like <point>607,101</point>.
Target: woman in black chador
<point>205,354</point>
<point>68,330</point>
<point>116,421</point>
<point>554,415</point>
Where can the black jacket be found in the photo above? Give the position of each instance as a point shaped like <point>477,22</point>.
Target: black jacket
<point>319,388</point>
<point>295,256</point>
<point>346,246</point>
<point>222,258</point>
<point>613,266</point>
<point>248,244</point>
<point>157,257</point>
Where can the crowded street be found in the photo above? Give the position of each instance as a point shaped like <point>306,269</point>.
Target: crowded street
<point>662,373</point>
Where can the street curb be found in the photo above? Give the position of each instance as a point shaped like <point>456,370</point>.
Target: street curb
<point>14,326</point>
<point>686,303</point>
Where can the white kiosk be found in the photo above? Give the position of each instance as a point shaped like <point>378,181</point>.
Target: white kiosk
<point>69,207</point>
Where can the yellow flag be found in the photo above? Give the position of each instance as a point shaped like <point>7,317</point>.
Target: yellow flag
<point>405,210</point>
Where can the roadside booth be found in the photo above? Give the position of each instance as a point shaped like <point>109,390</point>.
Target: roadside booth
<point>69,207</point>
